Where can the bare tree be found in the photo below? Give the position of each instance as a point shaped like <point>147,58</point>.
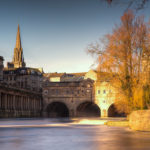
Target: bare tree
<point>135,4</point>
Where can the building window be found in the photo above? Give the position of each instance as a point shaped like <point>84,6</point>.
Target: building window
<point>57,91</point>
<point>53,91</point>
<point>67,92</point>
<point>99,91</point>
<point>88,86</point>
<point>88,91</point>
<point>104,91</point>
<point>45,92</point>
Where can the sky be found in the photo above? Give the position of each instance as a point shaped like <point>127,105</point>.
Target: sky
<point>55,33</point>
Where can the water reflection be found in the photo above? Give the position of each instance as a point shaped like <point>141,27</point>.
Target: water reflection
<point>66,134</point>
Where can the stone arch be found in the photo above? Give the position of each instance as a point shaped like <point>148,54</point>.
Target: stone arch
<point>57,109</point>
<point>88,109</point>
<point>113,112</point>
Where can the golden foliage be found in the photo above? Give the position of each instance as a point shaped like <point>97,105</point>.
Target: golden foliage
<point>126,56</point>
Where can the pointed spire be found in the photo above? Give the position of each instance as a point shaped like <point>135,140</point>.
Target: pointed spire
<point>18,39</point>
<point>18,59</point>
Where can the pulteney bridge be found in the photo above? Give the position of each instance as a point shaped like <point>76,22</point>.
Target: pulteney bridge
<point>76,99</point>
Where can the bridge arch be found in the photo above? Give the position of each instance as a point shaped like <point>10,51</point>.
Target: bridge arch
<point>57,109</point>
<point>113,112</point>
<point>88,109</point>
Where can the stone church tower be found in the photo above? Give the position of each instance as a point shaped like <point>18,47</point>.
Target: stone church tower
<point>18,59</point>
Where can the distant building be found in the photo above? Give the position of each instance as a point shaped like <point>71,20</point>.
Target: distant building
<point>91,74</point>
<point>25,78</point>
<point>54,77</point>
<point>18,58</point>
<point>64,77</point>
<point>18,75</point>
<point>20,86</point>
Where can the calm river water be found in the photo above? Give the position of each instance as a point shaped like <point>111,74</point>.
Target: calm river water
<point>67,134</point>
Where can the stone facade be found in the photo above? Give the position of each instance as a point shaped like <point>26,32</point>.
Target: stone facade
<point>140,120</point>
<point>91,74</point>
<point>103,94</point>
<point>1,68</point>
<point>64,77</point>
<point>70,94</point>
<point>24,78</point>
<point>16,102</point>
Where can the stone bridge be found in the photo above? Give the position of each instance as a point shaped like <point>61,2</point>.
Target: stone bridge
<point>78,99</point>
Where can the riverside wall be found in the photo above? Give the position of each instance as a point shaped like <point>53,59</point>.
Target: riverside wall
<point>140,120</point>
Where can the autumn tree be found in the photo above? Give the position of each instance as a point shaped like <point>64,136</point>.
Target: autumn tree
<point>122,58</point>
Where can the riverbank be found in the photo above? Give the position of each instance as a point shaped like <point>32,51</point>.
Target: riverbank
<point>137,121</point>
<point>124,123</point>
<point>140,120</point>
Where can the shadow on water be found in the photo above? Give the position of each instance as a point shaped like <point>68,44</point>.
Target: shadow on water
<point>88,109</point>
<point>57,109</point>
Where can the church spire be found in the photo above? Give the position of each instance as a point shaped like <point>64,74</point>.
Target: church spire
<point>18,39</point>
<point>18,59</point>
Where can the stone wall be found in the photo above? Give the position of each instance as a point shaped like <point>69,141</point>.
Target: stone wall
<point>105,96</point>
<point>24,78</point>
<point>19,102</point>
<point>1,68</point>
<point>140,120</point>
<point>72,94</point>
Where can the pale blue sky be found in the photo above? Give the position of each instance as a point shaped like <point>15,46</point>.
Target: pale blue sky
<point>55,33</point>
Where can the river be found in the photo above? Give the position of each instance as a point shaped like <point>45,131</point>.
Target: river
<point>69,134</point>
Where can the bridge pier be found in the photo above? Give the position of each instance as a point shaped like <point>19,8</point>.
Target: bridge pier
<point>104,113</point>
<point>72,113</point>
<point>103,108</point>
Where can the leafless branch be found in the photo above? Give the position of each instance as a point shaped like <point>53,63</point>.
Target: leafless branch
<point>135,4</point>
